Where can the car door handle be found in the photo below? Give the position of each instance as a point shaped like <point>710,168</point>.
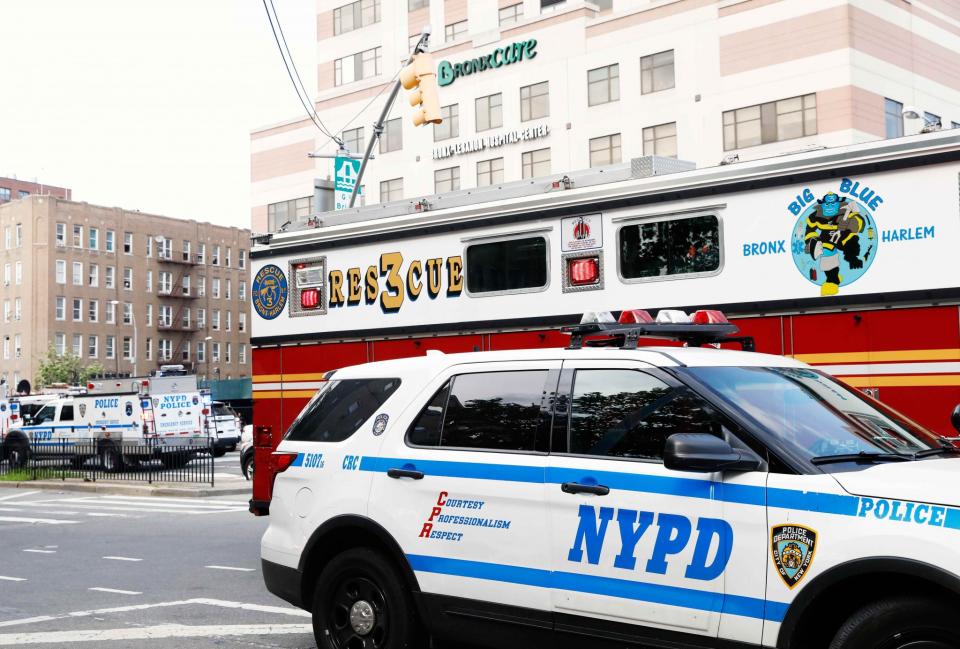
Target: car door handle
<point>578,488</point>
<point>405,473</point>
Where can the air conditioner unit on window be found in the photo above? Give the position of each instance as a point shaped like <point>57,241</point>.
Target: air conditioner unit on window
<point>126,284</point>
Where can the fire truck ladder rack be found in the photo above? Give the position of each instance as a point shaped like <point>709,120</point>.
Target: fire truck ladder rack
<point>626,336</point>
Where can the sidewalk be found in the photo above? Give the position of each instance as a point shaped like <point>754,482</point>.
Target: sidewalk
<point>126,488</point>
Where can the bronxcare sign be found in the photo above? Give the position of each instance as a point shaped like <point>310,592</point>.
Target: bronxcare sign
<point>448,72</point>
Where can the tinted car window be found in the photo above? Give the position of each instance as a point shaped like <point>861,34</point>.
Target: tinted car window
<point>630,414</point>
<point>425,431</point>
<point>339,408</point>
<point>66,413</point>
<point>45,413</point>
<point>510,265</point>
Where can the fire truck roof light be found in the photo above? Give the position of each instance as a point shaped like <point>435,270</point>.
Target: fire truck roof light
<point>709,316</point>
<point>635,316</point>
<point>597,317</point>
<point>672,316</point>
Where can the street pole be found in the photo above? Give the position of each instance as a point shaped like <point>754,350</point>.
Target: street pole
<point>378,126</point>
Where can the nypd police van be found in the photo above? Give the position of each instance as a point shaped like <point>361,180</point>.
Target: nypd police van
<point>614,494</point>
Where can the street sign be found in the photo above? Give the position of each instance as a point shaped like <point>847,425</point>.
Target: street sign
<point>345,172</point>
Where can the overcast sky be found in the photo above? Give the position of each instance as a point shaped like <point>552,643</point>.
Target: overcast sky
<point>146,104</point>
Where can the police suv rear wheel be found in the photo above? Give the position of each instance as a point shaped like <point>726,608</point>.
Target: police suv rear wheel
<point>360,603</point>
<point>17,454</point>
<point>899,623</point>
<point>110,457</point>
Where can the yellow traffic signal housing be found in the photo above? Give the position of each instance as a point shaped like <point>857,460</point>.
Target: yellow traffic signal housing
<point>420,76</point>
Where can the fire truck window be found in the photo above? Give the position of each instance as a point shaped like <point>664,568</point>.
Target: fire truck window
<point>66,413</point>
<point>671,247</point>
<point>512,265</point>
<point>630,414</point>
<point>494,410</point>
<point>425,431</point>
<point>339,409</point>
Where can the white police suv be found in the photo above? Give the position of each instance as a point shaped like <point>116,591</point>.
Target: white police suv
<point>611,494</point>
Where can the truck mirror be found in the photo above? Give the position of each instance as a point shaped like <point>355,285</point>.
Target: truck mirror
<point>955,417</point>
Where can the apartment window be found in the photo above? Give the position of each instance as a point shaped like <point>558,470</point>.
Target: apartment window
<point>511,15</point>
<point>78,345</point>
<point>185,285</point>
<point>4,194</point>
<point>228,352</point>
<point>185,354</point>
<point>201,352</point>
<point>202,248</point>
<point>355,67</point>
<point>60,343</point>
<point>603,85</point>
<point>215,257</point>
<point>127,348</point>
<point>77,275</point>
<point>92,346</point>
<point>18,234</point>
<point>93,311</point>
<point>536,163</point>
<point>6,347</point>
<point>17,348</point>
<point>166,316</point>
<point>201,286</point>
<point>605,150</point>
<point>228,257</point>
<point>446,180</point>
<point>242,353</point>
<point>657,72</point>
<point>7,274</point>
<point>215,320</point>
<point>149,287</point>
<point>127,278</point>
<point>111,313</point>
<point>148,349</point>
<point>241,259</point>
<point>128,243</point>
<point>93,275</point>
<point>166,282</point>
<point>417,4</point>
<point>489,112</point>
<point>61,236</point>
<point>392,137</point>
<point>450,127</point>
<point>660,140</point>
<point>228,321</point>
<point>93,238</point>
<point>127,313</point>
<point>7,238</point>
<point>215,287</point>
<point>535,101</point>
<point>165,349</point>
<point>227,288</point>
<point>60,274</point>
<point>677,246</point>
<point>489,172</point>
<point>108,242</point>
<point>201,318</point>
<point>185,250</point>
<point>17,308</point>
<point>355,15</point>
<point>930,118</point>
<point>391,190</point>
<point>216,352</point>
<point>77,236</point>
<point>241,321</point>
<point>453,31</point>
<point>773,121</point>
<point>6,310</point>
<point>149,319</point>
<point>77,310</point>
<point>285,213</point>
<point>550,5</point>
<point>18,273</point>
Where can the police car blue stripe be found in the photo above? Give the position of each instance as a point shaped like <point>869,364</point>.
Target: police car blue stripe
<point>477,471</point>
<point>297,461</point>
<point>622,588</point>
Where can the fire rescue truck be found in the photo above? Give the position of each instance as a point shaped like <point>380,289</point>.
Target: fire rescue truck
<point>842,258</point>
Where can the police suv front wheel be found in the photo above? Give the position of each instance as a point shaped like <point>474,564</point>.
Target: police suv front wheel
<point>360,602</point>
<point>899,623</point>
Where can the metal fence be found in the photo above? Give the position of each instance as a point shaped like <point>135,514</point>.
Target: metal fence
<point>91,459</point>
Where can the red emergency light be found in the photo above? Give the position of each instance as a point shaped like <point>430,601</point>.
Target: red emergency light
<point>635,316</point>
<point>309,298</point>
<point>584,271</point>
<point>709,316</point>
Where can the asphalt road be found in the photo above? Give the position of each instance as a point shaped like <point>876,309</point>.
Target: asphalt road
<point>88,570</point>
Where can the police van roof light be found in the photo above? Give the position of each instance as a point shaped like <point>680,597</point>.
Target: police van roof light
<point>597,317</point>
<point>709,316</point>
<point>672,316</point>
<point>635,316</point>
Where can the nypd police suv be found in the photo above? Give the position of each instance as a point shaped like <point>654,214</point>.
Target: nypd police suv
<point>613,494</point>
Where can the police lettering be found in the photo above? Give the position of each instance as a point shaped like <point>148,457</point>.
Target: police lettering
<point>395,279</point>
<point>906,512</point>
<point>673,533</point>
<point>106,403</point>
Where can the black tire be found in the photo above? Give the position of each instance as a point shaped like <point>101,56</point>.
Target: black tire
<point>355,577</point>
<point>219,451</point>
<point>247,467</point>
<point>899,623</point>
<point>18,453</point>
<point>111,459</point>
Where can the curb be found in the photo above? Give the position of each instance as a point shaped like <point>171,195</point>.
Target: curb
<point>115,489</point>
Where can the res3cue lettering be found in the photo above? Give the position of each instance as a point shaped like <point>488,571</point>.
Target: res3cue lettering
<point>392,281</point>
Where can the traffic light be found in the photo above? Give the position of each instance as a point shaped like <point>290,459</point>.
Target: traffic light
<point>421,75</point>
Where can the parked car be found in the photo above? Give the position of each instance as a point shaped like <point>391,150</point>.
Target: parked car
<point>246,452</point>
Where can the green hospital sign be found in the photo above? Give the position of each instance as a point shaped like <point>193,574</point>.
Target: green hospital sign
<point>448,72</point>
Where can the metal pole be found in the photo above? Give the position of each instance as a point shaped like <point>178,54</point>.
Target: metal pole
<point>378,126</point>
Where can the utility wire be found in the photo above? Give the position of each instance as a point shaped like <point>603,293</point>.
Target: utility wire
<point>360,112</point>
<point>301,92</point>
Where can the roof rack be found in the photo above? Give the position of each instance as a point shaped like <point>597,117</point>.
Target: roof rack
<point>626,336</point>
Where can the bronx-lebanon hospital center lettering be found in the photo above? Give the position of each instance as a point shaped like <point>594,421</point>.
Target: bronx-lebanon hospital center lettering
<point>448,72</point>
<point>410,280</point>
<point>491,141</point>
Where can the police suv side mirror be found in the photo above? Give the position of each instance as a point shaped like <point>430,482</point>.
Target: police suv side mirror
<point>705,453</point>
<point>955,417</point>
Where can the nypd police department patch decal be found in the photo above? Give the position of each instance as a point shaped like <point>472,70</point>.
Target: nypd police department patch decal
<point>793,547</point>
<point>269,292</point>
<point>380,423</point>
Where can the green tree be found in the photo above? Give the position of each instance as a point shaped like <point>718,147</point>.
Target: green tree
<point>65,368</point>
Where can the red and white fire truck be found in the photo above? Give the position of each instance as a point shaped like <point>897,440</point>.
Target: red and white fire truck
<point>844,258</point>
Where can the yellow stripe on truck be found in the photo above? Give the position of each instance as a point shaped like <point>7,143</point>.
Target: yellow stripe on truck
<point>881,356</point>
<point>902,381</point>
<point>274,378</point>
<point>283,394</point>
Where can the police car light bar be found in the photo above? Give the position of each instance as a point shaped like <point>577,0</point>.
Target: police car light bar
<point>703,328</point>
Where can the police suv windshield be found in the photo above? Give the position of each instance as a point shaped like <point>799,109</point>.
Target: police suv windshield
<point>822,420</point>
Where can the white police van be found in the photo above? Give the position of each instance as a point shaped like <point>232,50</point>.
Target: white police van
<point>611,494</point>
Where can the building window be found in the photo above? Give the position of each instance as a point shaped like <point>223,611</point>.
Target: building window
<point>241,321</point>
<point>60,343</point>
<point>489,172</point>
<point>59,310</point>
<point>17,308</point>
<point>536,163</point>
<point>228,286</point>
<point>109,276</point>
<point>111,347</point>
<point>127,348</point>
<point>417,4</point>
<point>774,121</point>
<point>242,355</point>
<point>603,85</point>
<point>149,318</point>
<point>228,257</point>
<point>201,352</point>
<point>362,65</point>
<point>392,137</point>
<point>216,352</point>
<point>109,242</point>
<point>61,272</point>
<point>128,243</point>
<point>18,273</point>
<point>670,247</point>
<point>355,15</point>
<point>17,349</point>
<point>202,250</point>
<point>656,72</point>
<point>660,140</point>
<point>148,349</point>
<point>215,287</point>
<point>215,320</point>
<point>228,321</point>
<point>93,238</point>
<point>353,140</point>
<point>6,310</point>
<point>61,237</point>
<point>280,214</point>
<point>77,274</point>
<point>77,236</point>
<point>215,257</point>
<point>93,275</point>
<point>228,352</point>
<point>165,317</point>
<point>509,265</point>
<point>391,190</point>
<point>4,194</point>
<point>127,278</point>
<point>931,119</point>
<point>511,15</point>
<point>92,346</point>
<point>7,238</point>
<point>241,259</point>
<point>551,5</point>
<point>93,311</point>
<point>450,127</point>
<point>446,180</point>
<point>111,313</point>
<point>78,345</point>
<point>242,291</point>
<point>18,235</point>
<point>489,112</point>
<point>165,349</point>
<point>453,31</point>
<point>77,310</point>
<point>605,150</point>
<point>201,318</point>
<point>127,313</point>
<point>535,101</point>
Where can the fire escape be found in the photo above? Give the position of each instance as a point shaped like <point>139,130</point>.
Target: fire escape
<point>179,298</point>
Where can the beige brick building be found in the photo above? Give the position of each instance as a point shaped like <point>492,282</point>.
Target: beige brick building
<point>129,290</point>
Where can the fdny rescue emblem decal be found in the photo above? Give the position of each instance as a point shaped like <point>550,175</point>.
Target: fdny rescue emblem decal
<point>793,547</point>
<point>269,292</point>
<point>380,423</point>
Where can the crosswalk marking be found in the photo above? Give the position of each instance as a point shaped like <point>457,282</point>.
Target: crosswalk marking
<point>115,590</point>
<point>24,519</point>
<point>230,568</point>
<point>18,495</point>
<point>40,551</point>
<point>123,559</point>
<point>152,632</point>
<point>2,578</point>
